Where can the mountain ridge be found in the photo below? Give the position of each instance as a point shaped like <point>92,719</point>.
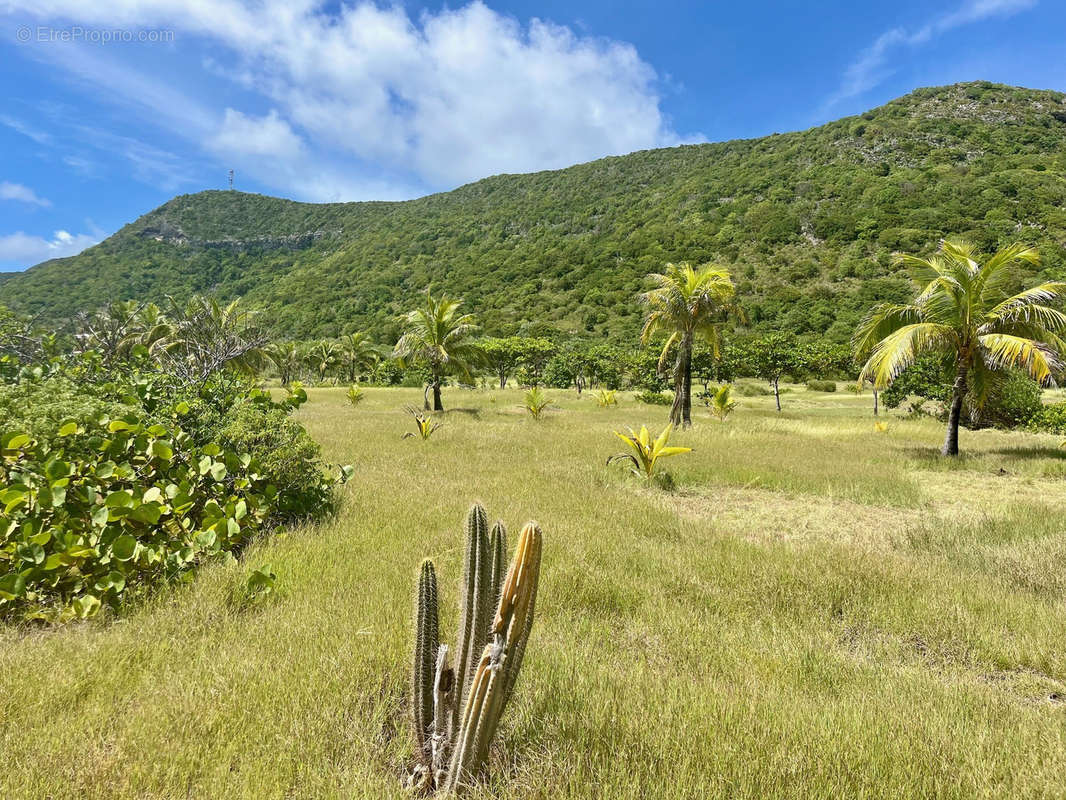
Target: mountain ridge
<point>806,220</point>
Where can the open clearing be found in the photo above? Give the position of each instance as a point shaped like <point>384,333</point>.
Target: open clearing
<point>820,610</point>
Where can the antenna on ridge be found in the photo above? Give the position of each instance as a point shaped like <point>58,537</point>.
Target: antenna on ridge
<point>231,180</point>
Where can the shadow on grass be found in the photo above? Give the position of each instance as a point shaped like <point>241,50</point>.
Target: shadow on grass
<point>470,412</point>
<point>1027,453</point>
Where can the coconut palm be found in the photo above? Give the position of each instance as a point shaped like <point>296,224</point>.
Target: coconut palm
<point>322,357</point>
<point>357,355</point>
<point>203,337</point>
<point>287,359</point>
<point>440,339</point>
<point>688,303</point>
<point>966,311</point>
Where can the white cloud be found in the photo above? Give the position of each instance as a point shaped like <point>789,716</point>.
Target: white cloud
<point>23,194</point>
<point>874,63</point>
<point>268,136</point>
<point>366,99</point>
<point>28,131</point>
<point>23,249</point>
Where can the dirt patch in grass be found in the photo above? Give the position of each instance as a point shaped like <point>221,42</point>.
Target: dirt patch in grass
<point>974,493</point>
<point>765,515</point>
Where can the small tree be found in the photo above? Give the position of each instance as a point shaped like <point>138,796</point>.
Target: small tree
<point>773,357</point>
<point>501,356</point>
<point>533,356</point>
<point>287,358</point>
<point>357,355</point>
<point>323,358</point>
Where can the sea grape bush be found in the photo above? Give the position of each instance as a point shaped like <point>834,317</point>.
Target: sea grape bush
<point>113,506</point>
<point>105,508</point>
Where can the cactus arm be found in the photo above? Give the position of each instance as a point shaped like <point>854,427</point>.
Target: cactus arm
<point>498,549</point>
<point>470,615</point>
<point>425,657</point>
<point>443,709</point>
<point>469,729</point>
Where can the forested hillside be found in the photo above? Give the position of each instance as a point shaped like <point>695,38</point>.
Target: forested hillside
<point>807,222</point>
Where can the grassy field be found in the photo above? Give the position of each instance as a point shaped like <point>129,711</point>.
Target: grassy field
<point>820,610</point>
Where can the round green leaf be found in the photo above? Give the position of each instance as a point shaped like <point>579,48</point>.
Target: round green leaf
<point>124,547</point>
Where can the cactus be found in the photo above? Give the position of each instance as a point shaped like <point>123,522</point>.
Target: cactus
<point>457,711</point>
<point>426,647</point>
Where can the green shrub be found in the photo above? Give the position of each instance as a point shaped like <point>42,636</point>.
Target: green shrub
<point>751,390</point>
<point>113,507</point>
<point>821,386</point>
<point>928,378</point>
<point>655,398</point>
<point>1013,402</point>
<point>38,408</point>
<point>98,509</point>
<point>1049,419</point>
<point>287,457</point>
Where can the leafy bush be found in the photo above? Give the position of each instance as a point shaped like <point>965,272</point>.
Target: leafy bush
<point>927,378</point>
<point>287,457</point>
<point>100,505</point>
<point>1013,402</point>
<point>112,507</point>
<point>38,408</point>
<point>355,395</point>
<point>655,398</point>
<point>1049,419</point>
<point>821,386</point>
<point>752,390</point>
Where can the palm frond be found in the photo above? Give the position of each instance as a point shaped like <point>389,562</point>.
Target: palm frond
<point>898,350</point>
<point>1036,358</point>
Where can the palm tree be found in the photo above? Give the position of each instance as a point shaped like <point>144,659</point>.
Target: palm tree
<point>441,340</point>
<point>322,357</point>
<point>204,337</point>
<point>357,354</point>
<point>688,302</point>
<point>287,359</point>
<point>966,311</point>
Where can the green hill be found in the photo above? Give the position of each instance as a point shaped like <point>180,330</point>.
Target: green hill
<point>806,220</point>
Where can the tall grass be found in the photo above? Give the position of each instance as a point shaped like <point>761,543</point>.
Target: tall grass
<point>684,648</point>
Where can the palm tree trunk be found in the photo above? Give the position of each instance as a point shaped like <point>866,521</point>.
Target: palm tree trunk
<point>437,404</point>
<point>958,394</point>
<point>875,401</point>
<point>686,388</point>
<point>675,407</point>
<point>681,410</point>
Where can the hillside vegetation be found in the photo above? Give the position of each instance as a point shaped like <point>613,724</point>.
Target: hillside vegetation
<point>805,221</point>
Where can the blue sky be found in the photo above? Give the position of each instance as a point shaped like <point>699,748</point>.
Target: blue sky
<point>361,101</point>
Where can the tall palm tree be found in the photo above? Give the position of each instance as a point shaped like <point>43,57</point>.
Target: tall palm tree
<point>688,303</point>
<point>357,354</point>
<point>442,340</point>
<point>965,310</point>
